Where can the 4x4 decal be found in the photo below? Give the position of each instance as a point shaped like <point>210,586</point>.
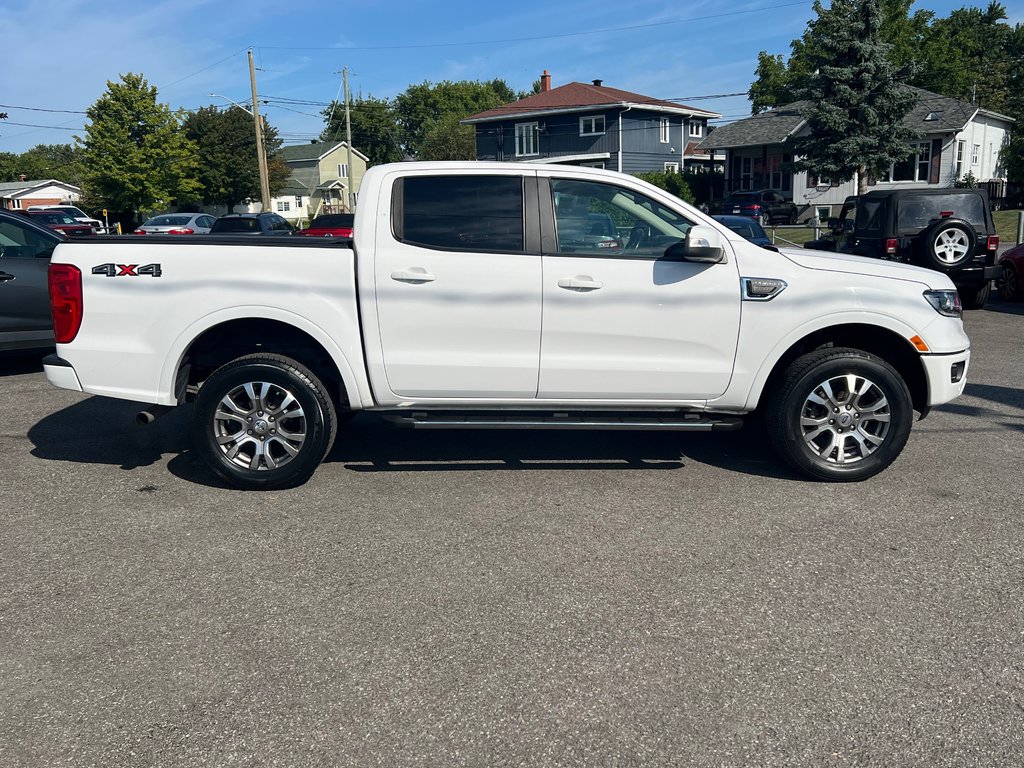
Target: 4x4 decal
<point>127,270</point>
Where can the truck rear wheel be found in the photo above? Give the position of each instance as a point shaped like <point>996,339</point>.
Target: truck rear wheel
<point>263,421</point>
<point>840,414</point>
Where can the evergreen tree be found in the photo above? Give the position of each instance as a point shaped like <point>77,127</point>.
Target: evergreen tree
<point>854,104</point>
<point>136,157</point>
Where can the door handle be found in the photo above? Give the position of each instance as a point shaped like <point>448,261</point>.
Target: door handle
<point>412,275</point>
<point>580,283</point>
<point>5,276</point>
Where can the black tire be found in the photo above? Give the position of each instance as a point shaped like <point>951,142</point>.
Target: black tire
<point>975,298</point>
<point>1008,285</point>
<point>855,436</point>
<point>277,424</point>
<point>948,244</point>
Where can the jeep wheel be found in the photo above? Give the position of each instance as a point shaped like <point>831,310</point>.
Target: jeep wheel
<point>840,414</point>
<point>975,297</point>
<point>1008,285</point>
<point>949,244</point>
<point>263,421</point>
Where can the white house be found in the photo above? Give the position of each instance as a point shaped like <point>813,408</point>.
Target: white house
<point>955,138</point>
<point>17,195</point>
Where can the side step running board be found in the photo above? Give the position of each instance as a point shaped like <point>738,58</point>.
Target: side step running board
<point>562,420</point>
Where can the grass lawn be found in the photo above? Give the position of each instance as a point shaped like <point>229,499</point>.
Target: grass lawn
<point>1006,227</point>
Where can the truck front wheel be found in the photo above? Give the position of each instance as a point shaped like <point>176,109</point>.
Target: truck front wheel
<point>263,421</point>
<point>840,414</point>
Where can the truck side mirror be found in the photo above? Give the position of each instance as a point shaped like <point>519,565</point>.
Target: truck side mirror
<point>703,245</point>
<point>833,222</point>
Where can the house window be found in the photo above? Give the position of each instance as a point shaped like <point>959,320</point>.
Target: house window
<point>975,153</point>
<point>671,167</point>
<point>913,168</point>
<point>283,205</point>
<point>298,201</point>
<point>664,130</point>
<point>696,129</point>
<point>959,157</point>
<point>592,125</point>
<point>342,170</point>
<point>16,204</point>
<point>527,139</point>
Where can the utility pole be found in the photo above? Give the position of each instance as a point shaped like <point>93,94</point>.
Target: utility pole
<point>348,142</point>
<point>261,154</point>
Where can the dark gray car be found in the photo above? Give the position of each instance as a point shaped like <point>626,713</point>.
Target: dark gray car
<point>25,250</point>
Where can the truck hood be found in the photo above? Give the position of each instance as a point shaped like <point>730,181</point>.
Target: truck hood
<point>864,265</point>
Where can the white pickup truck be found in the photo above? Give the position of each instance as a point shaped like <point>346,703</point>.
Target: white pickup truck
<point>508,295</point>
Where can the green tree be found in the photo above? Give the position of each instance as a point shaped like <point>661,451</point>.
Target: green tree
<point>53,161</point>
<point>424,109</point>
<point>374,130</point>
<point>773,84</point>
<point>229,168</point>
<point>447,140</point>
<point>135,155</point>
<point>854,104</point>
<point>674,183</point>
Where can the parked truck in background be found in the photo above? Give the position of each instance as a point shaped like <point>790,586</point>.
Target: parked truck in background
<point>467,299</point>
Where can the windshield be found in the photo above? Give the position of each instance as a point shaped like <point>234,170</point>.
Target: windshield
<point>333,220</point>
<point>235,225</point>
<point>54,218</point>
<point>168,220</point>
<point>915,212</point>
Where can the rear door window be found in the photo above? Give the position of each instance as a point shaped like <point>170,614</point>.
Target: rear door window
<point>460,213</point>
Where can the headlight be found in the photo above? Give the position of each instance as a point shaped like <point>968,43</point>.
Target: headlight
<point>945,302</point>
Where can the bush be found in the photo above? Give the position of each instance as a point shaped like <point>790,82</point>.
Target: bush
<point>674,183</point>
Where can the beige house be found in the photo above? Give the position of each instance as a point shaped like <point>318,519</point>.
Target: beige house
<point>319,180</point>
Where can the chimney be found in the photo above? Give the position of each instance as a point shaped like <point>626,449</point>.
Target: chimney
<point>598,83</point>
<point>545,82</point>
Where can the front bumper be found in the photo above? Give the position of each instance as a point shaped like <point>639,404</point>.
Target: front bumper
<point>946,375</point>
<point>61,373</point>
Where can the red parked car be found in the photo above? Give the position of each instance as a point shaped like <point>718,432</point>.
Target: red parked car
<point>330,225</point>
<point>1009,283</point>
<point>61,222</point>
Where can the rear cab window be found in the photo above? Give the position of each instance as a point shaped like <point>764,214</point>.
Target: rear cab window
<point>460,213</point>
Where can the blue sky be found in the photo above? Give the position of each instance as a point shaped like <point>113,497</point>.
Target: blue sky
<point>59,55</point>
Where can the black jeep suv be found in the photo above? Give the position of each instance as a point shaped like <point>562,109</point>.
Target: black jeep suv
<point>949,230</point>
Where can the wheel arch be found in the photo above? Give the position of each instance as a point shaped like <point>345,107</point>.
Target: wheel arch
<point>882,342</point>
<point>219,338</point>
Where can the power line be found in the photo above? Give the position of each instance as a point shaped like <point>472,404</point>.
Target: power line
<point>43,109</point>
<point>537,37</point>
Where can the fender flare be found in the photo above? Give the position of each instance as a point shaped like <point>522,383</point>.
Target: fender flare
<point>859,317</point>
<point>355,387</point>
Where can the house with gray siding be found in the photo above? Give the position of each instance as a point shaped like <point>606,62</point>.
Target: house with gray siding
<point>954,138</point>
<point>592,124</point>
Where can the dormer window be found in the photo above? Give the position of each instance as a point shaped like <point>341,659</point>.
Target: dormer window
<point>592,125</point>
<point>932,117</point>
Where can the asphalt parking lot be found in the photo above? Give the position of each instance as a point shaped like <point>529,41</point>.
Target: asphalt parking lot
<point>510,598</point>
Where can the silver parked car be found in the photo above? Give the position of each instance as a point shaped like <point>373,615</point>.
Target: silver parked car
<point>177,224</point>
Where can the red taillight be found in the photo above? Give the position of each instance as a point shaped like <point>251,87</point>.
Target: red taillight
<point>181,231</point>
<point>139,232</point>
<point>65,282</point>
<point>993,243</point>
<point>890,246</point>
<point>945,214</point>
